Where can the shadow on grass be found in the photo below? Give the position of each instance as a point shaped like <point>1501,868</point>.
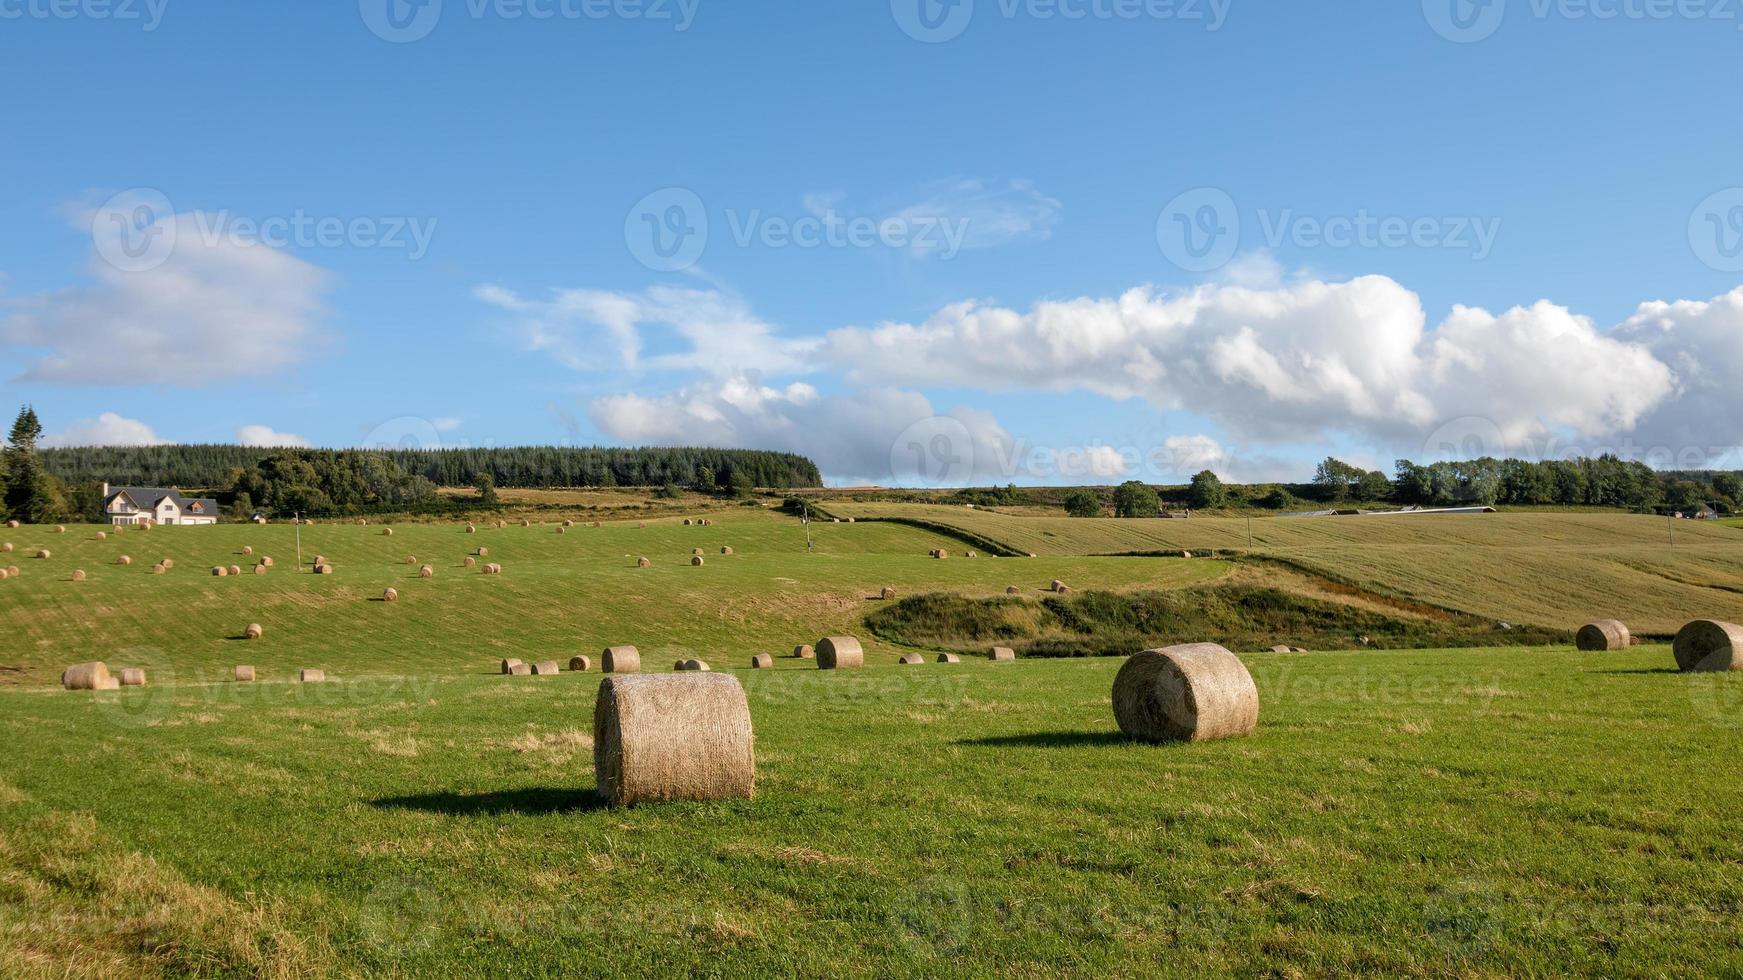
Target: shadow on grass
<point>1641,670</point>
<point>532,802</point>
<point>1049,740</point>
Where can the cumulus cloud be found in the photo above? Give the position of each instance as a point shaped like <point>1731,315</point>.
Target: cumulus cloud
<point>1702,342</point>
<point>265,437</point>
<point>206,309</point>
<point>107,429</point>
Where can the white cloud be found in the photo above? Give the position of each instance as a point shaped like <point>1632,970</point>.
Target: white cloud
<point>265,437</point>
<point>213,310</point>
<point>988,213</point>
<point>107,429</point>
<point>1703,343</point>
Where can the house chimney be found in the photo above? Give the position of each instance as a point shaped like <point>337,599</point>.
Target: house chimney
<point>105,489</point>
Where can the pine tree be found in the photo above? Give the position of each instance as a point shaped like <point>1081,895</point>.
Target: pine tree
<point>32,495</point>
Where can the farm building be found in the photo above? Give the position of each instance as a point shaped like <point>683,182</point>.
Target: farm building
<point>159,505</point>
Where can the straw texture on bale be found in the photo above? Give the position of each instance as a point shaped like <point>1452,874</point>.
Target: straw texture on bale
<point>246,551</point>
<point>949,658</point>
<point>663,737</point>
<point>85,677</point>
<point>888,593</point>
<point>762,661</point>
<point>910,659</point>
<point>102,536</point>
<point>620,660</point>
<point>521,670</point>
<point>469,562</point>
<point>1001,653</point>
<point>43,553</point>
<point>839,653</point>
<point>123,560</point>
<point>1195,692</point>
<point>1706,645</point>
<point>266,561</point>
<point>700,666</point>
<point>643,563</point>
<point>323,569</point>
<point>158,569</point>
<point>1059,586</point>
<point>804,652</point>
<point>243,675</point>
<point>696,560</point>
<point>310,675</point>
<point>508,664</point>
<point>483,552</point>
<point>426,572</point>
<point>78,575</point>
<point>235,569</point>
<point>133,677</point>
<point>1280,648</point>
<point>1604,634</point>
<point>581,664</point>
<point>109,684</point>
<point>545,668</point>
<point>253,632</point>
<point>390,595</point>
<point>219,571</point>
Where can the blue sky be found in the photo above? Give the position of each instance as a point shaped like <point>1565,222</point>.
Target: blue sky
<point>1413,225</point>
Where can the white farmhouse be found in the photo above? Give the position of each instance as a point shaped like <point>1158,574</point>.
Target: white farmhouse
<point>158,505</point>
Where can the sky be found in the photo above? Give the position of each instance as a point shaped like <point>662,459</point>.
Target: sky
<point>923,242</point>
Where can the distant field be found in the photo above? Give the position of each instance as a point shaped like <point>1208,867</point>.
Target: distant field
<point>1548,569</point>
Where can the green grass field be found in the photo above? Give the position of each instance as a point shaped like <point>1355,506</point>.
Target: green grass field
<point>1499,812</point>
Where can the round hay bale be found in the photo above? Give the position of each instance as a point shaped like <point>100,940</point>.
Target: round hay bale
<point>620,660</point>
<point>311,675</point>
<point>1707,645</point>
<point>411,559</point>
<point>508,664</point>
<point>1001,654</point>
<point>910,659</point>
<point>102,536</point>
<point>387,532</point>
<point>969,554</point>
<point>78,575</point>
<point>949,658</point>
<point>12,571</point>
<point>235,569</point>
<point>219,571</point>
<point>662,737</point>
<point>839,653</point>
<point>545,668</point>
<point>253,632</point>
<point>6,548</point>
<point>1602,635</point>
<point>242,675</point>
<point>699,666</point>
<point>158,569</point>
<point>426,572</point>
<point>526,523</point>
<point>940,554</point>
<point>471,530</point>
<point>260,569</point>
<point>521,670</point>
<point>568,523</point>
<point>123,560</point>
<point>85,677</point>
<point>133,677</point>
<point>14,524</point>
<point>563,530</point>
<point>696,551</point>
<point>60,529</point>
<point>266,561</point>
<point>686,523</point>
<point>320,560</point>
<point>4,575</point>
<point>43,553</point>
<point>643,563</point>
<point>169,563</point>
<point>361,522</point>
<point>762,661</point>
<point>726,549</point>
<point>581,665</point>
<point>482,552</point>
<point>804,651</point>
<point>390,595</point>
<point>887,593</point>
<point>1195,692</point>
<point>469,563</point>
<point>1280,648</point>
<point>246,551</point>
<point>1058,586</point>
<point>323,569</point>
<point>678,665</point>
<point>1013,590</point>
<point>696,560</point>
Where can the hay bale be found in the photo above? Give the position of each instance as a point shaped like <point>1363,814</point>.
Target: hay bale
<point>78,575</point>
<point>471,530</point>
<point>696,560</point>
<point>11,571</point>
<point>60,529</point>
<point>390,595</point>
<point>43,553</point>
<point>320,560</point>
<point>246,551</point>
<point>563,530</point>
<point>568,523</point>
<point>545,668</point>
<point>1012,590</point>
<point>411,559</point>
<point>1195,692</point>
<point>888,593</point>
<point>158,569</point>
<point>508,664</point>
<point>660,737</point>
<point>323,569</point>
<point>620,660</point>
<point>469,563</point>
<point>678,665</point>
<point>762,661</point>
<point>219,571</point>
<point>169,563</point>
<point>839,653</point>
<point>1058,586</point>
<point>14,524</point>
<point>260,569</point>
<point>310,675</point>
<point>1001,654</point>
<point>696,551</point>
<point>111,684</point>
<point>686,522</point>
<point>387,532</point>
<point>6,548</point>
<point>1603,634</point>
<point>726,550</point>
<point>910,659</point>
<point>123,560</point>
<point>521,670</point>
<point>133,677</point>
<point>102,536</point>
<point>699,666</point>
<point>804,652</point>
<point>581,664</point>
<point>495,569</point>
<point>940,554</point>
<point>1706,645</point>
<point>482,552</point>
<point>4,575</point>
<point>426,572</point>
<point>266,561</point>
<point>969,554</point>
<point>643,563</point>
<point>242,675</point>
<point>949,658</point>
<point>235,569</point>
<point>253,632</point>
<point>85,677</point>
<point>1280,648</point>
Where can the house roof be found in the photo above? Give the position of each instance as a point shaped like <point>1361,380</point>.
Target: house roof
<point>148,498</point>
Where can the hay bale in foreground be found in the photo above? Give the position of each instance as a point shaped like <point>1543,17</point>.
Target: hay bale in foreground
<point>520,670</point>
<point>309,675</point>
<point>664,737</point>
<point>60,529</point>
<point>411,559</point>
<point>266,561</point>
<point>949,658</point>
<point>762,661</point>
<point>169,563</point>
<point>109,684</point>
<point>1001,654</point>
<point>545,668</point>
<point>804,651</point>
<point>482,552</point>
<point>696,551</point>
<point>1603,635</point>
<point>253,632</point>
<point>6,548</point>
<point>726,549</point>
<point>14,524</point>
<point>390,595</point>
<point>910,659</point>
<point>581,665</point>
<point>85,677</point>
<point>1195,692</point>
<point>620,660</point>
<point>839,653</point>
<point>387,532</point>
<point>508,664</point>
<point>102,536</point>
<point>133,677</point>
<point>1706,645</point>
